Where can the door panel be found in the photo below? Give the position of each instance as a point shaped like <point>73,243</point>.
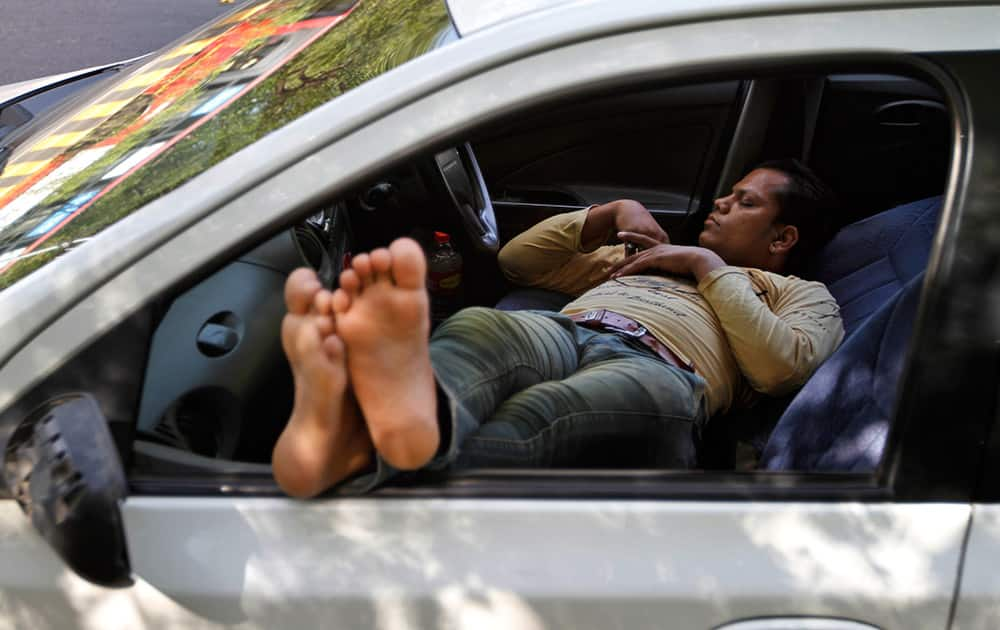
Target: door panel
<point>659,146</point>
<point>534,564</point>
<point>881,141</point>
<point>978,605</point>
<point>359,563</point>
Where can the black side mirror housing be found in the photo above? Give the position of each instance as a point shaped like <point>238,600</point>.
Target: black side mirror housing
<point>63,469</point>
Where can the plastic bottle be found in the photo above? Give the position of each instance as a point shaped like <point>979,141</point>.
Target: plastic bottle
<point>444,277</point>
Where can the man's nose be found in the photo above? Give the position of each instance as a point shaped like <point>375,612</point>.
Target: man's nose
<point>722,205</point>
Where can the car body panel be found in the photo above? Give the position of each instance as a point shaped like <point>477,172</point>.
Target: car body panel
<point>205,561</point>
<point>353,563</point>
<point>475,15</point>
<point>977,606</point>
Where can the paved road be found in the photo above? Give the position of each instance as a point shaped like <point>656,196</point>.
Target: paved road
<point>39,37</point>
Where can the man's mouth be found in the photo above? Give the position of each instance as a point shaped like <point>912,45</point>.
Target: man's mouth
<point>712,219</point>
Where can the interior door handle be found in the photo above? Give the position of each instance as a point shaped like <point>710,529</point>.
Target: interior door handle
<point>796,623</point>
<point>910,113</point>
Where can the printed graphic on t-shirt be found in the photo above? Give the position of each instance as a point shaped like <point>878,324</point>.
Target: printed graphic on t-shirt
<point>670,295</point>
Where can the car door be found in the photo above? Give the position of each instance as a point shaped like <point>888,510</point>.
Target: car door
<point>976,601</point>
<point>538,549</point>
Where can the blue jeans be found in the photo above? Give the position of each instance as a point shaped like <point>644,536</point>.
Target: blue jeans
<point>533,389</point>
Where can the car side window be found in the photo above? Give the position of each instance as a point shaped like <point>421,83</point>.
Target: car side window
<point>217,389</point>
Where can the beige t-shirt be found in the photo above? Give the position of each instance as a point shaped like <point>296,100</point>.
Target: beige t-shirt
<point>744,330</point>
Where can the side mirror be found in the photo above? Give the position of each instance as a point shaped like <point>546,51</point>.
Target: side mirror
<point>63,469</point>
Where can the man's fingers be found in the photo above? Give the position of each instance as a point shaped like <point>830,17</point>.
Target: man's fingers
<point>630,265</point>
<point>642,240</point>
<point>628,260</point>
<point>626,270</point>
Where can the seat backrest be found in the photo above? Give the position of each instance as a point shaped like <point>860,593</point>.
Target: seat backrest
<point>868,262</point>
<point>874,268</point>
<point>840,419</point>
<point>533,299</point>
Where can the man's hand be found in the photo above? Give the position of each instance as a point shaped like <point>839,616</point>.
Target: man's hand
<point>624,215</point>
<point>676,260</point>
<point>633,217</point>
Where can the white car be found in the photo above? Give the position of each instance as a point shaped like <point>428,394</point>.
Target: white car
<point>148,220</point>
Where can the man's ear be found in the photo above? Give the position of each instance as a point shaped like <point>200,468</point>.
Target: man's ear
<point>785,238</point>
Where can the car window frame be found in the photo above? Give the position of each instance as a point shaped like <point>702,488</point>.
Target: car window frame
<point>681,485</point>
<point>962,263</point>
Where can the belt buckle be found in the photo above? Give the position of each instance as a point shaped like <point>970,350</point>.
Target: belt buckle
<point>638,332</point>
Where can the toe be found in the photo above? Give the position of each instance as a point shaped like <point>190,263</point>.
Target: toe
<point>322,302</point>
<point>381,261</point>
<point>300,288</point>
<point>289,327</point>
<point>409,266</point>
<point>362,265</point>
<point>341,301</point>
<point>350,282</point>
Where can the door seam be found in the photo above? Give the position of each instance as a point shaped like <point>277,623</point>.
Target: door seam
<point>956,592</point>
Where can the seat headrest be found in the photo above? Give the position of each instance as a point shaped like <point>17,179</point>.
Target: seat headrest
<point>867,262</point>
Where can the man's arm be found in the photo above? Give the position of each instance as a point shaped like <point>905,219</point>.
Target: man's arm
<point>567,252</point>
<point>624,215</point>
<point>776,350</point>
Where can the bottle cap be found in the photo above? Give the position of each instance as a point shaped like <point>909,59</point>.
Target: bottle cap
<point>441,237</point>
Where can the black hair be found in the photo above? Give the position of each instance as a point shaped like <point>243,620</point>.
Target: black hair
<point>807,203</point>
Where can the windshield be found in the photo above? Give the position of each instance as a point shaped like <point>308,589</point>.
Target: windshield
<point>191,106</point>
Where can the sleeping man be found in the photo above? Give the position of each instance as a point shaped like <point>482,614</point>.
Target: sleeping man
<point>653,346</point>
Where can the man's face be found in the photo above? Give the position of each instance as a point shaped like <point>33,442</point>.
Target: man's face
<point>741,227</point>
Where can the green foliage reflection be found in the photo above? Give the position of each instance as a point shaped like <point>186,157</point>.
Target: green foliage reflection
<point>377,36</point>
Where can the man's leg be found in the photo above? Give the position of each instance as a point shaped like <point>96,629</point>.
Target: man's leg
<point>622,407</point>
<point>325,439</point>
<point>482,357</point>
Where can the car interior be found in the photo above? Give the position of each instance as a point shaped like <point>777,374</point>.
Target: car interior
<point>215,389</point>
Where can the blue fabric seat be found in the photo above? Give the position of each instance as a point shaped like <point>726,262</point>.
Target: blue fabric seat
<point>868,262</point>
<point>840,418</point>
<point>533,299</point>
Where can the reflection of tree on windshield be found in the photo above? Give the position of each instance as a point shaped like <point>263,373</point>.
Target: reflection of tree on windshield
<point>377,36</point>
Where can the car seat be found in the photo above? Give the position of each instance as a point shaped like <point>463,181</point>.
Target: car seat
<point>533,299</point>
<point>874,268</point>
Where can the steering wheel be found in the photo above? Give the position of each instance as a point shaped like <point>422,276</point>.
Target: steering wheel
<point>467,190</point>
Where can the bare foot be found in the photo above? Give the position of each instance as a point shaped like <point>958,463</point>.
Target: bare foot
<point>325,439</point>
<point>383,317</point>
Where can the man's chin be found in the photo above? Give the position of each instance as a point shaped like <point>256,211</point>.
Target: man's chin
<point>706,240</point>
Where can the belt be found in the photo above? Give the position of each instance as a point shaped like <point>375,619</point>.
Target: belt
<point>613,322</point>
